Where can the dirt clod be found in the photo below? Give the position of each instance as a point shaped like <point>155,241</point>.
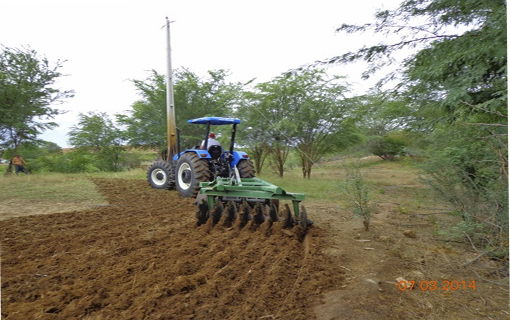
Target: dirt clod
<point>410,234</point>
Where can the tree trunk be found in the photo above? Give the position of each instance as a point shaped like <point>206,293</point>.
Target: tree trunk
<point>9,167</point>
<point>307,159</point>
<point>259,154</point>
<point>279,156</point>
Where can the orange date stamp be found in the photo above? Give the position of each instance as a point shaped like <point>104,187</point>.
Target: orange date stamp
<point>443,285</point>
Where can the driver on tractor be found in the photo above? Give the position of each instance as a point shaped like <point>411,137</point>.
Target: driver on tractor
<point>210,142</point>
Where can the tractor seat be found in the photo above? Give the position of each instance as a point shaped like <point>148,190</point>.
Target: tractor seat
<point>215,152</point>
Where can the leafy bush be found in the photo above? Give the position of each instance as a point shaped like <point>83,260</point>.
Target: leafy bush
<point>387,147</point>
<point>464,167</point>
<point>71,162</point>
<point>132,160</point>
<point>358,193</point>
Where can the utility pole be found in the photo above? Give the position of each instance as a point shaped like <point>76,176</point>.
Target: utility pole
<point>170,107</point>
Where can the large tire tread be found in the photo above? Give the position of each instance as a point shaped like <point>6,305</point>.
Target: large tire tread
<point>200,173</point>
<point>168,170</point>
<point>246,169</point>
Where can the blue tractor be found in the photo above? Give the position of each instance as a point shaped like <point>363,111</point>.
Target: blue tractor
<point>187,169</point>
<point>223,181</point>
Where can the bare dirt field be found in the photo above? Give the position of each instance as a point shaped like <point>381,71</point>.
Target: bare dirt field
<point>141,256</point>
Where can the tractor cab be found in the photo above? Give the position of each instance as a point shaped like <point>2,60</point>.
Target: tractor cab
<point>217,121</point>
<point>221,161</point>
<point>212,153</point>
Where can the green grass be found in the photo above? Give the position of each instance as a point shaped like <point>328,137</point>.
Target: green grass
<point>48,187</point>
<point>389,181</point>
<point>316,188</point>
<point>393,181</point>
<point>59,187</point>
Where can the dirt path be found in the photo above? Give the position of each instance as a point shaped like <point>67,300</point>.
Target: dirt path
<point>141,257</point>
<point>407,247</point>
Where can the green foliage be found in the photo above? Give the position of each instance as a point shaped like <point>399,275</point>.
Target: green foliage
<point>303,109</point>
<point>97,133</point>
<point>27,96</point>
<point>132,160</point>
<point>33,150</point>
<point>464,165</point>
<point>378,113</point>
<point>455,85</point>
<point>387,147</point>
<point>358,193</point>
<point>71,162</point>
<point>194,97</point>
<point>146,123</point>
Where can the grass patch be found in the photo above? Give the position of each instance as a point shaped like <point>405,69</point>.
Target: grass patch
<point>134,174</point>
<point>391,181</point>
<point>49,187</point>
<point>61,187</point>
<point>316,188</point>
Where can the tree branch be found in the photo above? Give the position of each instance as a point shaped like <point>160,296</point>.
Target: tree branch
<point>484,110</point>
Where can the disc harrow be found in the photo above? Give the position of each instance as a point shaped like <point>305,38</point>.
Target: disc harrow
<point>249,201</point>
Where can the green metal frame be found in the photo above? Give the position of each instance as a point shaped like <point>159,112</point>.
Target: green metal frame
<point>248,188</point>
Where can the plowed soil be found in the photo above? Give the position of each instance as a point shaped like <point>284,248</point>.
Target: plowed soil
<point>141,256</point>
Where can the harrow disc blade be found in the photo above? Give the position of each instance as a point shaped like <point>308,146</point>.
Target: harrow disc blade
<point>287,219</point>
<point>243,214</point>
<point>258,217</point>
<point>217,211</point>
<point>273,212</point>
<point>202,210</point>
<point>303,218</point>
<point>229,214</point>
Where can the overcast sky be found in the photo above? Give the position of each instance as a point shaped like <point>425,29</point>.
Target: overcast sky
<point>106,43</point>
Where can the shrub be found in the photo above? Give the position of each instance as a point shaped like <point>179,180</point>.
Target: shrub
<point>358,193</point>
<point>71,162</point>
<point>387,147</point>
<point>465,169</point>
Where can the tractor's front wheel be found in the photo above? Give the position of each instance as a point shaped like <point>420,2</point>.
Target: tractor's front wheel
<point>190,171</point>
<point>161,175</point>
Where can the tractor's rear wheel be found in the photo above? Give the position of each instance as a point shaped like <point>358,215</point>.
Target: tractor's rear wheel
<point>190,171</point>
<point>161,175</point>
<point>246,169</point>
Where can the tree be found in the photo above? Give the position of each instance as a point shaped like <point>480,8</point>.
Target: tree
<point>386,121</point>
<point>27,96</point>
<point>301,108</point>
<point>254,135</point>
<point>456,82</point>
<point>462,69</point>
<point>320,111</point>
<point>98,133</point>
<point>378,113</point>
<point>194,97</point>
<point>265,113</point>
<point>146,121</point>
